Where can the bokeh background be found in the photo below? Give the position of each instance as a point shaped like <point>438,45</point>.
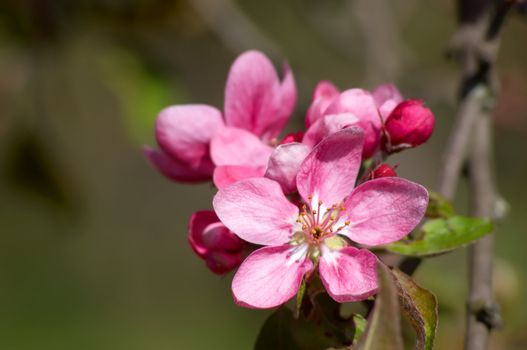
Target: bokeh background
<point>93,248</point>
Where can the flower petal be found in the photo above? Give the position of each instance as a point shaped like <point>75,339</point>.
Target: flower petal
<point>196,225</point>
<point>348,274</point>
<point>270,276</point>
<point>329,172</point>
<point>179,171</point>
<point>184,131</point>
<point>360,103</point>
<point>222,262</point>
<point>227,174</point>
<point>386,97</point>
<point>284,164</point>
<point>285,104</point>
<point>255,100</point>
<point>327,125</point>
<point>384,210</point>
<point>257,211</point>
<point>325,92</point>
<point>233,146</point>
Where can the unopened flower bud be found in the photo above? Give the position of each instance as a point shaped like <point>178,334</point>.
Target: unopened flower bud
<point>214,243</point>
<point>292,137</point>
<point>383,170</point>
<point>409,125</point>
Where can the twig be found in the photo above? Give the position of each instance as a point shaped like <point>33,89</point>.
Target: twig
<point>482,311</point>
<point>475,44</point>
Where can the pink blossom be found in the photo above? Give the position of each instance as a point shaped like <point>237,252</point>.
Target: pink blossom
<point>332,110</point>
<point>196,139</point>
<point>299,242</point>
<point>214,243</point>
<point>409,125</point>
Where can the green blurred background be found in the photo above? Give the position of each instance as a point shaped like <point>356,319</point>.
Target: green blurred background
<point>93,248</point>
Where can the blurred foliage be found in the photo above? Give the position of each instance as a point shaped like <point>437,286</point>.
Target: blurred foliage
<point>93,251</point>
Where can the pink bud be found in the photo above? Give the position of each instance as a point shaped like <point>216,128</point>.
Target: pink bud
<point>214,243</point>
<point>383,170</point>
<point>292,137</point>
<point>409,125</point>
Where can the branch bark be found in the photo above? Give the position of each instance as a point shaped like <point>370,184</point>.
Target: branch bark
<point>475,45</point>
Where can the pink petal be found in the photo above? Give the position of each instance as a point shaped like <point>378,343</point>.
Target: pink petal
<point>177,170</point>
<point>255,100</point>
<point>385,210</point>
<point>327,125</point>
<point>358,102</point>
<point>386,97</point>
<point>207,233</point>
<point>184,132</point>
<point>348,274</point>
<point>270,276</point>
<point>257,211</point>
<point>284,164</point>
<point>233,146</point>
<point>196,225</point>
<point>223,262</point>
<point>285,104</point>
<point>329,172</point>
<point>227,174</point>
<point>217,237</point>
<point>325,92</point>
<point>361,103</point>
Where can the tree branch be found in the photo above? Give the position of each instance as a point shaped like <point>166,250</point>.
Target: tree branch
<point>475,45</point>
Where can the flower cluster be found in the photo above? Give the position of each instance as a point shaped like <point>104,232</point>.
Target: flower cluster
<point>307,205</point>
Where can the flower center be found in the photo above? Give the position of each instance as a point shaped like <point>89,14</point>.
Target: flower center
<point>319,222</point>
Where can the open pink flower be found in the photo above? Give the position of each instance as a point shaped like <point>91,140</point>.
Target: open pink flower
<point>194,140</point>
<point>214,243</point>
<point>296,242</point>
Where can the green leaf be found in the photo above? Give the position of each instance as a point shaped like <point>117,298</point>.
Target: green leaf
<point>360,325</point>
<point>300,298</point>
<point>439,236</point>
<point>384,325</point>
<point>282,332</point>
<point>439,206</point>
<point>419,307</point>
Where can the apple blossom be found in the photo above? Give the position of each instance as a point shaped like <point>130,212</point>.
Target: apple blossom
<point>317,237</point>
<point>194,140</point>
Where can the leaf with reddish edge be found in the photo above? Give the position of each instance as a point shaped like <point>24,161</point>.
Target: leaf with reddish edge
<point>439,236</point>
<point>419,306</point>
<point>384,325</point>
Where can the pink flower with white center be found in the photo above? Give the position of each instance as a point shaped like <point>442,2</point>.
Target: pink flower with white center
<point>297,242</point>
<point>195,141</point>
